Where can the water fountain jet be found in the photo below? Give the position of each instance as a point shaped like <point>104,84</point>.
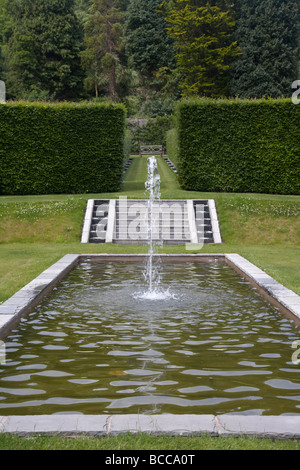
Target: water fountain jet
<point>152,274</point>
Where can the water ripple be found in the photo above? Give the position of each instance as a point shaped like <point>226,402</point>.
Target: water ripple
<point>219,347</point>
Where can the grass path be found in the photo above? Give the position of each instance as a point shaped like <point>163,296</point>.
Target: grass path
<point>135,178</point>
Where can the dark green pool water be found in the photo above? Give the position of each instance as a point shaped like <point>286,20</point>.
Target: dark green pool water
<point>94,347</point>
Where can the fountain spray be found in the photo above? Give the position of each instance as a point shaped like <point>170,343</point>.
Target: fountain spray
<point>152,185</point>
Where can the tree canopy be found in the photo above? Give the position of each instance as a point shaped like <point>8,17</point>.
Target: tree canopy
<point>147,44</point>
<point>268,34</point>
<point>205,50</point>
<point>148,53</point>
<point>103,33</point>
<point>43,51</point>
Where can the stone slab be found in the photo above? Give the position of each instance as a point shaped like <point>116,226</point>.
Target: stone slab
<point>111,221</point>
<point>7,309</point>
<point>162,424</point>
<point>5,320</point>
<point>54,424</point>
<point>186,424</point>
<point>214,221</point>
<point>276,427</point>
<point>280,427</point>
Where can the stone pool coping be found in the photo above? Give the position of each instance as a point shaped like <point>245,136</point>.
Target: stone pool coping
<point>280,427</point>
<point>285,426</point>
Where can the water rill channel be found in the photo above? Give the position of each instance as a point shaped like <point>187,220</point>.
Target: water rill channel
<point>92,347</point>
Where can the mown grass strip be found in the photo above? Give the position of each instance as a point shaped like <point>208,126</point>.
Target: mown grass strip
<point>145,442</point>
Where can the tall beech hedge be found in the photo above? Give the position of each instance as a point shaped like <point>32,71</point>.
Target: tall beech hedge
<point>61,148</point>
<point>239,145</point>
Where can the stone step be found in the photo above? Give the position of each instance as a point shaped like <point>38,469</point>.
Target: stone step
<point>96,240</point>
<point>144,211</point>
<point>99,210</point>
<point>172,223</point>
<point>171,164</point>
<point>203,226</point>
<point>101,234</point>
<point>172,216</point>
<point>94,228</point>
<point>97,221</point>
<point>146,242</point>
<point>156,208</point>
<point>202,212</point>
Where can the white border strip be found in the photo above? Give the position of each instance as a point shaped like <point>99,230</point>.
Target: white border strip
<point>87,221</point>
<point>192,220</point>
<point>214,221</point>
<point>111,221</point>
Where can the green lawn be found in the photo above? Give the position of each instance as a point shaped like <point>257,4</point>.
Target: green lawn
<point>36,231</point>
<point>145,442</point>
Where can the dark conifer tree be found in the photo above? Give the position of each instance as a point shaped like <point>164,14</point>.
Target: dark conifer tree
<point>267,32</point>
<point>148,46</point>
<point>43,53</point>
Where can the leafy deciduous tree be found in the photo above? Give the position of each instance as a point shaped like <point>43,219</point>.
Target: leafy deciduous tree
<point>103,41</point>
<point>6,25</point>
<point>43,52</point>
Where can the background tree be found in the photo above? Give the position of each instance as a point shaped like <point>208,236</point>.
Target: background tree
<point>43,52</point>
<point>6,26</point>
<point>103,44</point>
<point>123,4</point>
<point>81,8</point>
<point>147,44</point>
<point>268,33</point>
<point>150,53</point>
<point>205,50</point>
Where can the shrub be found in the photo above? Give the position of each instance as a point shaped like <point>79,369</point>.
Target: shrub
<point>61,148</point>
<point>239,146</point>
<point>127,144</point>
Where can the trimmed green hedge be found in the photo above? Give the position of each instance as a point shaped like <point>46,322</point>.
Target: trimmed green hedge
<point>172,146</point>
<point>61,148</point>
<point>239,146</point>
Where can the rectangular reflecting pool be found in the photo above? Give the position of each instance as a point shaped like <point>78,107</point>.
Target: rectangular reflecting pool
<point>96,345</point>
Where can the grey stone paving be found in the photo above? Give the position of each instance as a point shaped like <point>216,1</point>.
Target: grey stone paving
<point>282,427</point>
